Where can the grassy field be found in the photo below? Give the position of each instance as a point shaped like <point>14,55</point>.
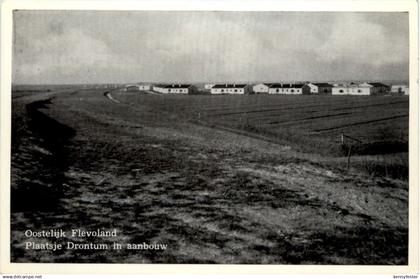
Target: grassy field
<point>220,179</point>
<point>366,118</point>
<point>311,124</point>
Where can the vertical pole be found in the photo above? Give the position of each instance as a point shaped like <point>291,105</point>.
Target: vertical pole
<point>348,158</point>
<point>342,138</point>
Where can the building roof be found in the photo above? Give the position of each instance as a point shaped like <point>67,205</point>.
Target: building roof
<point>225,85</point>
<point>321,84</point>
<point>286,85</point>
<point>266,84</point>
<point>178,86</point>
<point>137,84</point>
<point>377,84</point>
<point>271,84</point>
<point>351,86</point>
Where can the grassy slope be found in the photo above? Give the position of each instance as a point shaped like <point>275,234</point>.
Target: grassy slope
<point>213,196</point>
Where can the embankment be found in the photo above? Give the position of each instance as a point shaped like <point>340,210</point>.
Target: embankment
<point>39,158</point>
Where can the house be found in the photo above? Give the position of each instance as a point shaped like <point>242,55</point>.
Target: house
<point>230,89</point>
<point>261,88</point>
<point>287,88</point>
<point>179,88</point>
<point>399,89</point>
<point>351,89</point>
<point>377,88</point>
<point>174,88</point>
<point>317,88</point>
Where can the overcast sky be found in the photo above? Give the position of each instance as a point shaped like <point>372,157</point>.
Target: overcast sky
<point>114,47</point>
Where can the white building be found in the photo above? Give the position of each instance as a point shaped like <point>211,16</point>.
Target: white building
<point>174,88</point>
<point>261,88</point>
<point>352,89</point>
<point>230,89</point>
<point>287,88</point>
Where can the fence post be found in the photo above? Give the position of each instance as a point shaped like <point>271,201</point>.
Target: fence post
<point>348,158</point>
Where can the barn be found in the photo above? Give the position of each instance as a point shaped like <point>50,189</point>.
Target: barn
<point>230,89</point>
<point>351,89</point>
<point>261,88</point>
<point>287,88</point>
<point>317,88</point>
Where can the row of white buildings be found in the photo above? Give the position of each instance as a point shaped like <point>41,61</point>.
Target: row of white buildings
<point>363,89</point>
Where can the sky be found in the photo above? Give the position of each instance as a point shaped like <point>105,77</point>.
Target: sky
<point>208,46</point>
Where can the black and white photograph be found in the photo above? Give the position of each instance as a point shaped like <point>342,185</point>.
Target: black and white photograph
<point>210,137</point>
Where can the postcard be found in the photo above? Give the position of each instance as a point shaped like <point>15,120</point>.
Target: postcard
<point>206,137</point>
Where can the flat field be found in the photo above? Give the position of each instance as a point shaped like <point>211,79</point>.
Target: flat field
<point>219,179</point>
<point>312,118</point>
